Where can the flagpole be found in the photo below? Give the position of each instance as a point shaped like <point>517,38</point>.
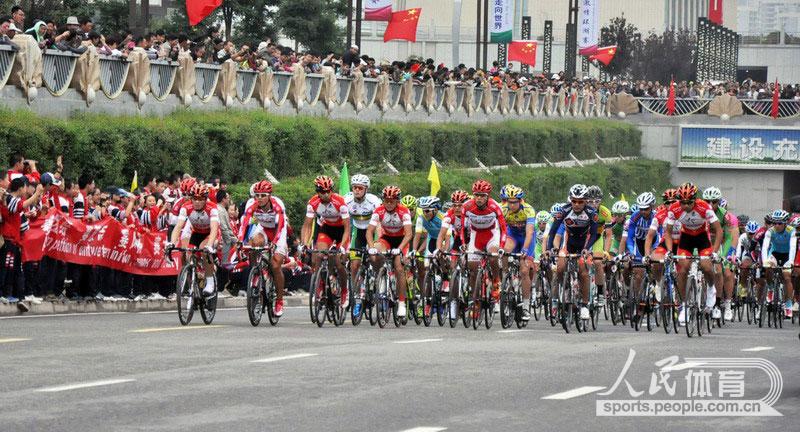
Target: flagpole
<point>349,24</point>
<point>359,8</point>
<point>456,36</point>
<point>478,37</point>
<point>485,34</point>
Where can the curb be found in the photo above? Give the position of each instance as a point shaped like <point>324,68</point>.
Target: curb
<point>50,308</point>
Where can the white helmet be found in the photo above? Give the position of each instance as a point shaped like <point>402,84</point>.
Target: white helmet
<point>645,200</point>
<point>252,190</point>
<point>620,207</point>
<point>360,180</point>
<point>428,202</point>
<point>578,191</point>
<point>712,194</point>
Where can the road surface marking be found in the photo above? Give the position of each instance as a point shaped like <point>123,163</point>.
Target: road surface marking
<point>9,340</point>
<point>758,348</point>
<point>288,357</point>
<point>425,429</point>
<point>682,366</point>
<point>417,341</point>
<point>161,329</point>
<point>512,331</point>
<point>569,394</point>
<point>84,385</point>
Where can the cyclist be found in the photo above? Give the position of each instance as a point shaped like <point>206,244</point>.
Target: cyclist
<point>504,194</point>
<point>452,222</point>
<point>430,225</point>
<point>198,226</point>
<point>410,202</point>
<point>730,226</point>
<point>521,224</point>
<point>655,235</point>
<point>543,221</point>
<point>487,232</point>
<point>697,221</point>
<point>361,205</point>
<point>394,219</point>
<point>620,214</point>
<point>332,228</point>
<point>604,238</point>
<point>778,251</point>
<point>636,234</point>
<point>748,251</point>
<point>580,223</point>
<point>268,216</point>
<point>185,188</point>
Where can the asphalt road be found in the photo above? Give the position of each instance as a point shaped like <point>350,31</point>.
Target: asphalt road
<point>142,371</point>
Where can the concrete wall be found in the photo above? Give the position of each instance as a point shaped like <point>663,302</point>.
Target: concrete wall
<point>752,192</point>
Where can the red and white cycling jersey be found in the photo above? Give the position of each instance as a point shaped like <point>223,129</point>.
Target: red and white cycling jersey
<point>658,222</point>
<point>392,223</point>
<point>451,220</point>
<point>272,219</point>
<point>693,222</point>
<point>199,221</point>
<point>488,218</point>
<point>332,213</point>
<point>176,209</point>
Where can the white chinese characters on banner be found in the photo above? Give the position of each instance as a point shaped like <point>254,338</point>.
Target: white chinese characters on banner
<point>589,29</point>
<point>502,14</point>
<point>753,149</point>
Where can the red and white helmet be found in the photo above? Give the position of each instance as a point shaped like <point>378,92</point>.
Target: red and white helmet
<point>481,186</point>
<point>262,187</point>
<point>687,191</point>
<point>323,183</point>
<point>186,185</point>
<point>391,192</point>
<point>199,190</point>
<point>459,196</point>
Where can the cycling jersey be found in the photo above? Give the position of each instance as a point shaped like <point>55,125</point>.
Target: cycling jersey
<point>392,223</point>
<point>748,247</point>
<point>272,220</point>
<point>540,234</point>
<point>361,211</point>
<point>431,228</point>
<point>636,228</point>
<point>199,221</point>
<point>783,243</point>
<point>617,230</point>
<point>487,226</point>
<point>727,220</point>
<point>332,213</point>
<point>517,221</point>
<point>693,222</point>
<point>580,228</point>
<point>454,223</point>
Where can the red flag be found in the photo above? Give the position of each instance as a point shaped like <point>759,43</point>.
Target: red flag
<point>522,51</point>
<point>197,10</point>
<point>715,11</point>
<point>775,97</point>
<point>378,10</point>
<point>604,55</point>
<point>403,25</point>
<point>671,99</point>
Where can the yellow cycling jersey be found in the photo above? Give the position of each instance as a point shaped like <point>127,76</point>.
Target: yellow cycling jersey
<point>604,219</point>
<point>518,220</point>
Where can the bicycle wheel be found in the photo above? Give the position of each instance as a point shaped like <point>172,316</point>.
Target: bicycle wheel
<point>413,300</point>
<point>427,302</point>
<point>337,303</point>
<point>612,303</point>
<point>452,319</point>
<point>382,308</point>
<point>208,305</point>
<point>270,296</point>
<point>594,314</point>
<point>666,317</point>
<point>184,295</point>
<point>317,283</point>
<point>507,304</point>
<point>690,309</point>
<point>255,286</point>
<point>358,284</point>
<point>321,300</point>
<point>489,303</point>
<point>441,304</point>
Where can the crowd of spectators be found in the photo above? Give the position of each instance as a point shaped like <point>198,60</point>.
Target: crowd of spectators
<point>212,48</point>
<point>26,195</point>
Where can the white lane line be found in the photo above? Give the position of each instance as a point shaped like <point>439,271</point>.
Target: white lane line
<point>288,357</point>
<point>162,329</point>
<point>417,341</point>
<point>569,394</point>
<point>425,429</point>
<point>513,331</point>
<point>9,340</point>
<point>84,385</point>
<point>682,366</point>
<point>758,348</point>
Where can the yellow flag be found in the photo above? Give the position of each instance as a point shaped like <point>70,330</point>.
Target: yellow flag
<point>433,177</point>
<point>622,198</point>
<point>135,181</point>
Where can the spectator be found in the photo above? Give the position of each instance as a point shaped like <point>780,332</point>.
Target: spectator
<point>351,59</point>
<point>39,33</point>
<point>86,28</point>
<point>17,200</point>
<point>228,237</point>
<point>18,15</point>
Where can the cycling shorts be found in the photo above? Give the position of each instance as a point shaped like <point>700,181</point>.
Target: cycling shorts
<point>391,242</point>
<point>481,241</point>
<point>519,241</point>
<point>359,242</point>
<point>689,243</point>
<point>329,234</point>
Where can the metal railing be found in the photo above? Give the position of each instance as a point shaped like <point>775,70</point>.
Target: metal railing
<point>7,56</point>
<point>113,73</point>
<point>683,106</point>
<point>57,70</point>
<point>162,77</point>
<point>206,77</point>
<point>787,108</point>
<point>245,84</point>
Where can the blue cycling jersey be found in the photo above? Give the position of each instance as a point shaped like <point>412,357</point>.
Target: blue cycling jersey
<point>780,241</point>
<point>432,227</point>
<point>637,227</point>
<point>582,227</point>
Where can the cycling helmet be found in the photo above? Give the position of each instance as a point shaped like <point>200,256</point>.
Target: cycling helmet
<point>428,202</point>
<point>687,191</point>
<point>359,180</point>
<point>262,187</point>
<point>252,190</point>
<point>556,208</point>
<point>620,207</point>
<point>199,190</point>
<point>795,221</point>
<point>723,203</point>
<point>712,194</point>
<point>578,191</point>
<point>743,219</point>
<point>594,193</point>
<point>481,186</point>
<point>409,201</point>
<point>504,191</point>
<point>752,227</point>
<point>670,194</point>
<point>323,183</point>
<point>768,218</point>
<point>634,208</point>
<point>459,196</point>
<point>391,192</point>
<point>646,199</point>
<point>543,216</point>
<point>186,185</point>
<point>514,192</point>
<point>780,216</point>
<point>447,205</point>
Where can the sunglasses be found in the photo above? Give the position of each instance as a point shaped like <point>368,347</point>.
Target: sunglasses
<point>262,195</point>
<point>323,191</point>
<point>687,202</point>
<point>481,195</point>
<point>512,202</point>
<point>429,211</point>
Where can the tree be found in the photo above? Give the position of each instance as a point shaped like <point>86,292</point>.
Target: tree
<point>255,22</point>
<point>178,22</point>
<point>312,23</point>
<point>628,40</point>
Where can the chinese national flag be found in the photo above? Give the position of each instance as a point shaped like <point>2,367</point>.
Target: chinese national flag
<point>604,55</point>
<point>671,98</point>
<point>197,10</point>
<point>715,11</point>
<point>775,97</point>
<point>403,25</point>
<point>523,52</point>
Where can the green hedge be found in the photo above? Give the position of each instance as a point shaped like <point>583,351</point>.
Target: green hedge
<point>544,186</point>
<point>239,145</point>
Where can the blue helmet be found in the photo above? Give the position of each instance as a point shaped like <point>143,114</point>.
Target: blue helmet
<point>504,192</point>
<point>428,202</point>
<point>752,226</point>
